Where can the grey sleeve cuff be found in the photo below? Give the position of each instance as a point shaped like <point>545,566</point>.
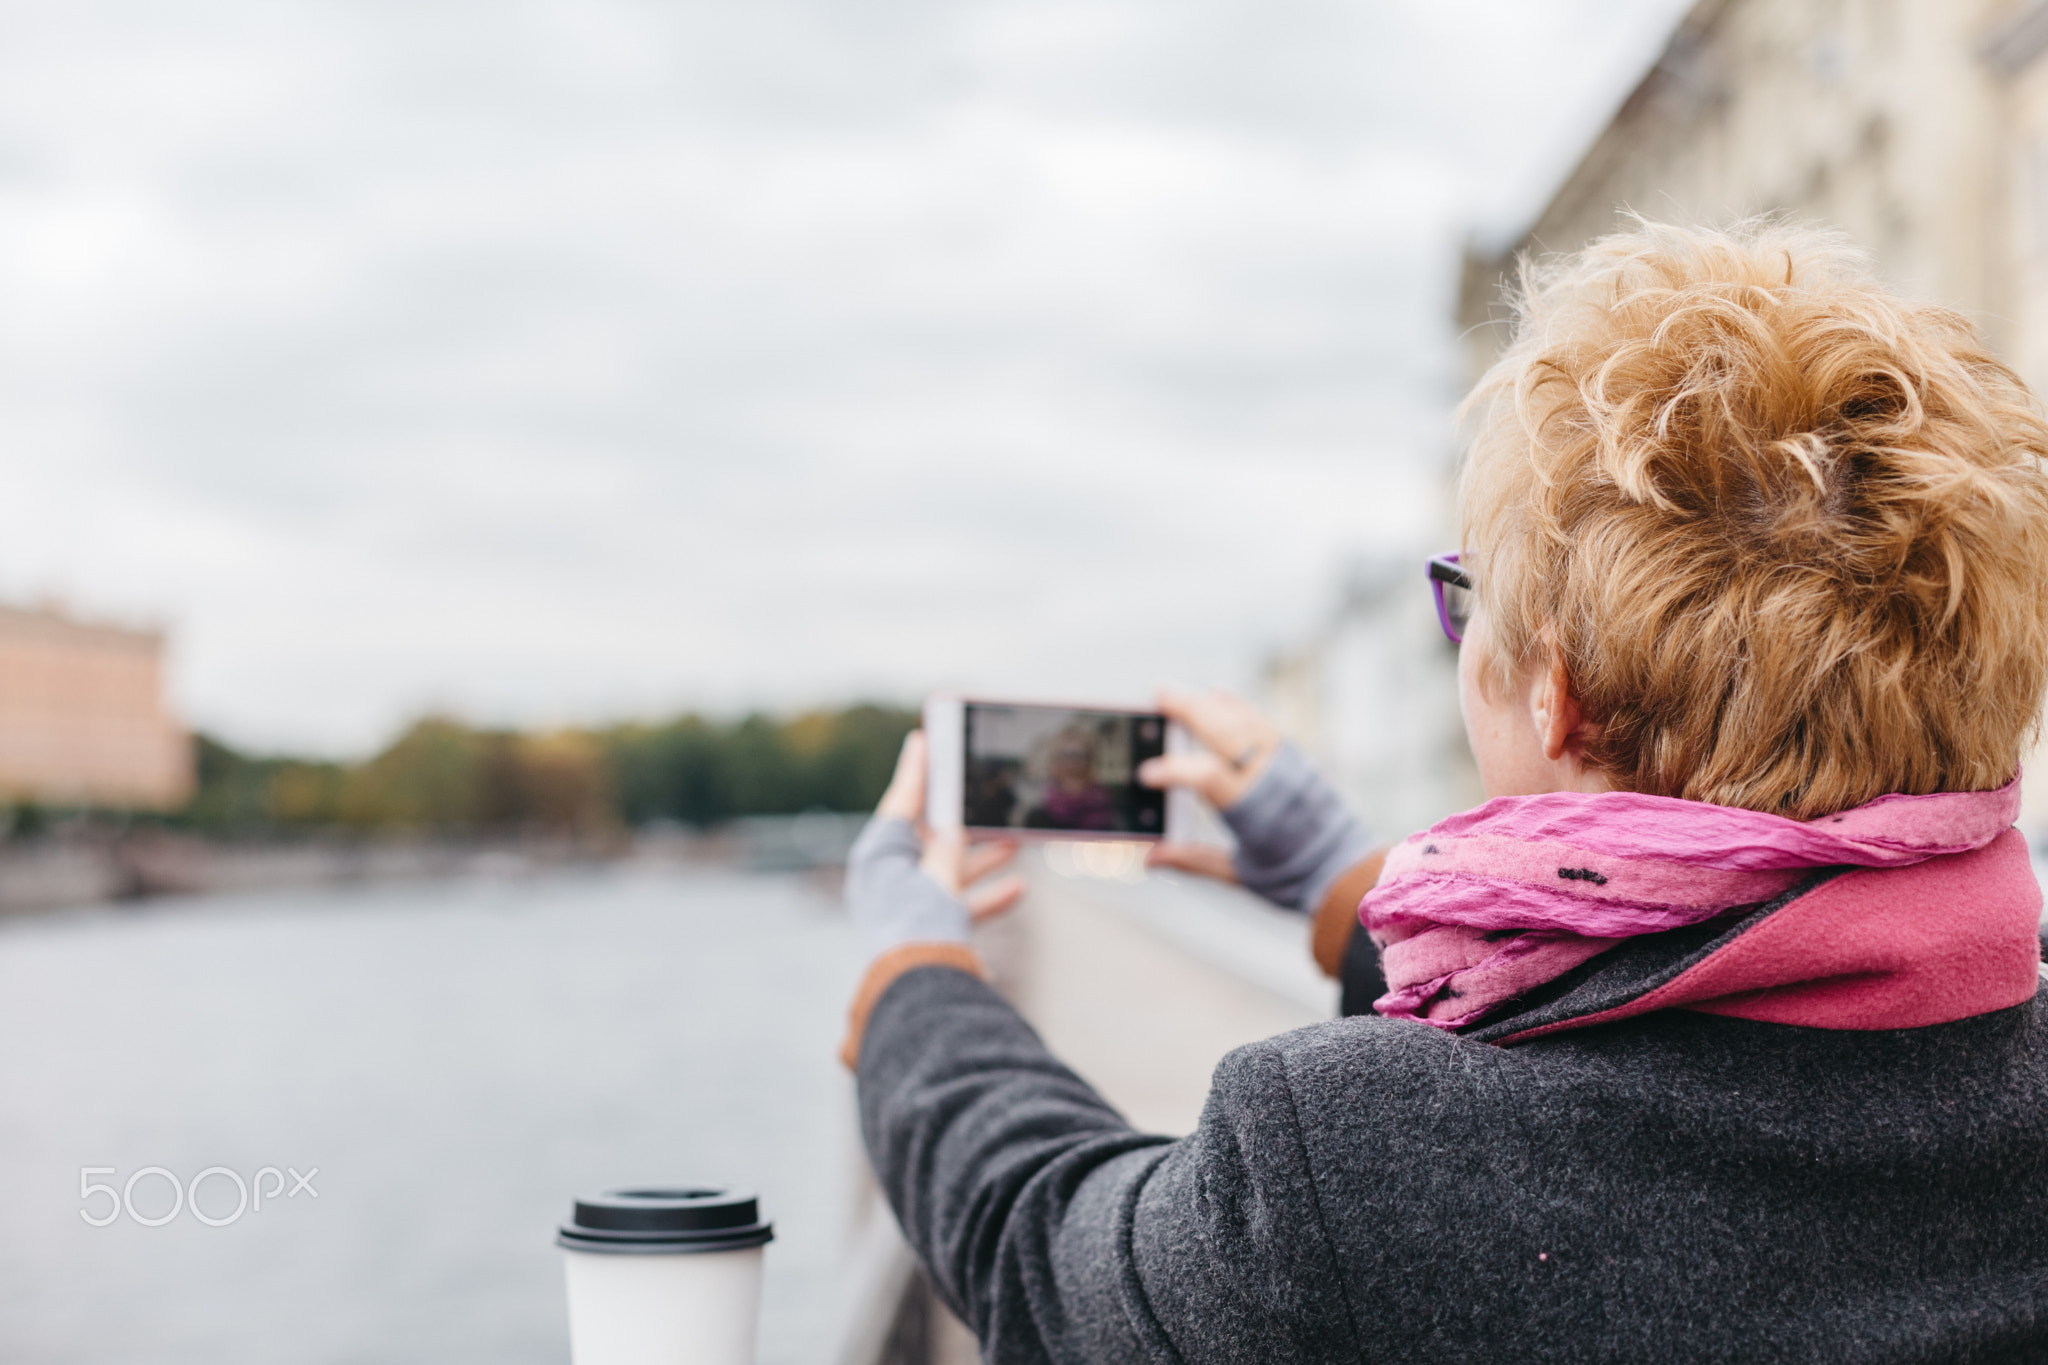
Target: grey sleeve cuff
<point>888,895</point>
<point>1294,836</point>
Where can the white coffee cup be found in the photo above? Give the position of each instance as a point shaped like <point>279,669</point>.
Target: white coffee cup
<point>667,1276</point>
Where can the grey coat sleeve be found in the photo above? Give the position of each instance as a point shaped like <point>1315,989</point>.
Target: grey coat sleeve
<point>1060,1234</point>
<point>1294,835</point>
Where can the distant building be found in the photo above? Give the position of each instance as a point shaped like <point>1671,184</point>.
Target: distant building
<point>1920,127</point>
<point>82,716</point>
<point>1907,123</point>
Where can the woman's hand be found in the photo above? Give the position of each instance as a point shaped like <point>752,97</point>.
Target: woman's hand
<point>1294,837</point>
<point>1238,745</point>
<point>905,884</point>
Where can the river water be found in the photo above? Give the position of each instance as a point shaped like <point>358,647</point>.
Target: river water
<point>457,1060</point>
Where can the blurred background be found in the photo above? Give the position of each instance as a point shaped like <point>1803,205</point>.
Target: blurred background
<point>487,487</point>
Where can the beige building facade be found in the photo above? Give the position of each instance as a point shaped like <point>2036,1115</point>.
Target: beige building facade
<point>2017,54</point>
<point>82,716</point>
<point>1919,127</point>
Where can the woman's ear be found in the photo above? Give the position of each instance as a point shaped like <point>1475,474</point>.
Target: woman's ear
<point>1553,710</point>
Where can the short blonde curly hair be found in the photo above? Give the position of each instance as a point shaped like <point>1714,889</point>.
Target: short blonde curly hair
<point>1789,532</point>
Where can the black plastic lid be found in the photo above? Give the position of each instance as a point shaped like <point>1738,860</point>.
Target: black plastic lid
<point>666,1219</point>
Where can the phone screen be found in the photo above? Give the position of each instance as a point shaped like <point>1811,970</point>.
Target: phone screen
<point>1061,768</point>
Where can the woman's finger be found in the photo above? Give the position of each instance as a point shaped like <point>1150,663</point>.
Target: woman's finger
<point>1204,860</point>
<point>904,800</point>
<point>944,853</point>
<point>1195,712</point>
<point>1203,771</point>
<point>982,859</point>
<point>1222,720</point>
<point>986,902</point>
<point>1232,729</point>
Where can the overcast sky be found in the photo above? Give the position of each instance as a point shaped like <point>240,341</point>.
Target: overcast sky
<point>564,361</point>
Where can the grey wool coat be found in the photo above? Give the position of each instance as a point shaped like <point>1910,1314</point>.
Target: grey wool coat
<point>1676,1186</point>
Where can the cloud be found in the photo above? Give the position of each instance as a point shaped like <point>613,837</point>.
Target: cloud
<point>551,361</point>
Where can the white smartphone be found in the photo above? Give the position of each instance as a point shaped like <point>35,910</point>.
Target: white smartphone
<point>1039,769</point>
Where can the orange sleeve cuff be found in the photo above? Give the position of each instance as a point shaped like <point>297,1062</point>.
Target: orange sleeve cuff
<point>1337,917</point>
<point>882,974</point>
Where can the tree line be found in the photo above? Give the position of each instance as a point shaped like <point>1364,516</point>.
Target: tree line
<point>444,776</point>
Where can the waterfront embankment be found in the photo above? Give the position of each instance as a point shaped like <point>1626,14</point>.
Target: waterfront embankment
<point>93,864</point>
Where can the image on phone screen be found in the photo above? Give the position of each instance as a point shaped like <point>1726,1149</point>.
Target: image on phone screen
<point>1061,768</point>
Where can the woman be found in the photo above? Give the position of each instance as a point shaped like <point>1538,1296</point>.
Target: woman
<point>1071,797</point>
<point>1714,1034</point>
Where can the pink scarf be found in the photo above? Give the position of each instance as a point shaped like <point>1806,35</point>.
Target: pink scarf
<point>1488,904</point>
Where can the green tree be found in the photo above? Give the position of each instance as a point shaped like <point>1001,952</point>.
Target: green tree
<point>231,794</point>
<point>441,775</point>
<point>427,779</point>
